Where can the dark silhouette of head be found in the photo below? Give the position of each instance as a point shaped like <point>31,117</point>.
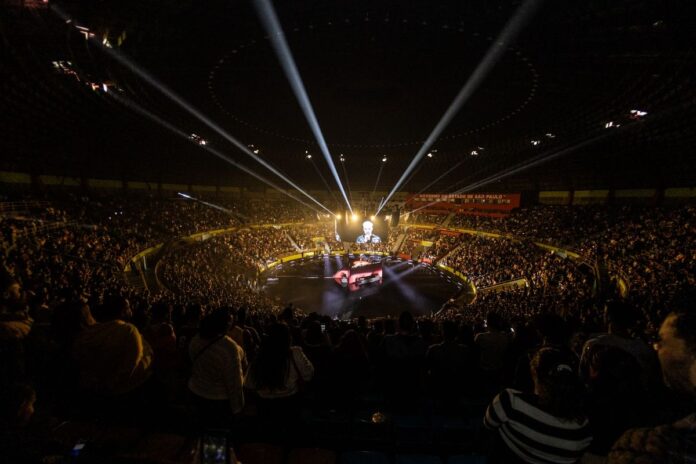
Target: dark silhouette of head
<point>216,323</point>
<point>271,366</point>
<point>560,390</point>
<point>406,322</point>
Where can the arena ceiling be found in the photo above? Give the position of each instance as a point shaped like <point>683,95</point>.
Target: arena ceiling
<point>379,75</point>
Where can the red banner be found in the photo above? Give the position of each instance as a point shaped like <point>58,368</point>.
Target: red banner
<point>489,204</point>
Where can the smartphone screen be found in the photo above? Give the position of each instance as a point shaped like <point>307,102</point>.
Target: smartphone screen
<point>214,450</point>
<point>77,449</point>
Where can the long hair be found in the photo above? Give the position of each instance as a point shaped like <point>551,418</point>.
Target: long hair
<point>561,393</point>
<point>271,367</point>
<point>215,324</point>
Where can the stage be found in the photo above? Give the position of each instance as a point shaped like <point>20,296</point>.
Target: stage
<point>311,285</point>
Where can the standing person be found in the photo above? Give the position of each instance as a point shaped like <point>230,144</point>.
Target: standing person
<point>547,426</point>
<point>113,357</point>
<point>448,365</point>
<point>675,442</point>
<point>620,318</point>
<point>217,370</point>
<point>278,373</point>
<point>403,364</point>
<point>244,335</point>
<point>492,346</point>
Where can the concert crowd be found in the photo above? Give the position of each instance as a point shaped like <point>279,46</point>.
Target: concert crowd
<point>560,368</point>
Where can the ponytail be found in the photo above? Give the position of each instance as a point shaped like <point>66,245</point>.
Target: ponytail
<point>560,390</point>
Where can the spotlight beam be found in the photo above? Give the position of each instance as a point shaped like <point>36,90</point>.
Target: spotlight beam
<point>530,164</point>
<point>345,176</point>
<point>323,179</point>
<point>153,117</point>
<point>211,205</point>
<point>269,19</point>
<point>443,175</point>
<point>123,60</point>
<point>535,161</point>
<point>494,53</point>
<point>379,174</point>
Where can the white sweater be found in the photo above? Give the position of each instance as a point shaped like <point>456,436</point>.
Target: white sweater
<point>217,373</point>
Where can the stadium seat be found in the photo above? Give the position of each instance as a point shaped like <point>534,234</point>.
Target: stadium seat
<point>456,434</point>
<point>412,431</point>
<point>326,428</point>
<point>417,459</point>
<point>260,453</point>
<point>364,457</point>
<point>311,456</point>
<point>466,459</point>
<point>364,431</point>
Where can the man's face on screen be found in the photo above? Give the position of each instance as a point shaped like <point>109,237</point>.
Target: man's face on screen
<point>367,228</point>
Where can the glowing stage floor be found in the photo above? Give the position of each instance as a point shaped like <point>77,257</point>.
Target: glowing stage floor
<point>310,285</point>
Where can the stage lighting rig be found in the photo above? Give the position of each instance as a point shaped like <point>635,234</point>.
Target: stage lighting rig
<point>384,159</point>
<point>549,135</point>
<point>198,139</point>
<point>637,114</point>
<point>536,142</point>
<point>85,32</point>
<point>476,151</point>
<point>611,125</point>
<point>342,158</point>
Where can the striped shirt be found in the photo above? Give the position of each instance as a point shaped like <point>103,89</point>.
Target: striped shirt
<point>534,435</point>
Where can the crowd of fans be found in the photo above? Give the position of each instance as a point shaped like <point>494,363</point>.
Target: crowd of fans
<point>564,374</point>
<point>423,218</point>
<point>412,245</point>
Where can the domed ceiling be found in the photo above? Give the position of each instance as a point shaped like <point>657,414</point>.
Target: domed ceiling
<point>379,75</point>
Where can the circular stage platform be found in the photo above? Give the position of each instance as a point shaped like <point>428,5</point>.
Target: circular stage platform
<point>311,286</point>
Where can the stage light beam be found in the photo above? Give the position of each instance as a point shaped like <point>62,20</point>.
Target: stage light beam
<point>153,117</point>
<point>492,56</point>
<point>270,22</point>
<point>146,76</point>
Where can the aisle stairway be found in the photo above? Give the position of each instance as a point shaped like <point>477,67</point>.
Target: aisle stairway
<point>446,255</point>
<point>292,241</point>
<point>447,220</point>
<point>399,243</point>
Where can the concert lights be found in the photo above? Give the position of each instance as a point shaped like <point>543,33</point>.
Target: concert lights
<point>264,8</point>
<point>492,56</point>
<point>131,65</point>
<point>144,112</point>
<point>384,159</point>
